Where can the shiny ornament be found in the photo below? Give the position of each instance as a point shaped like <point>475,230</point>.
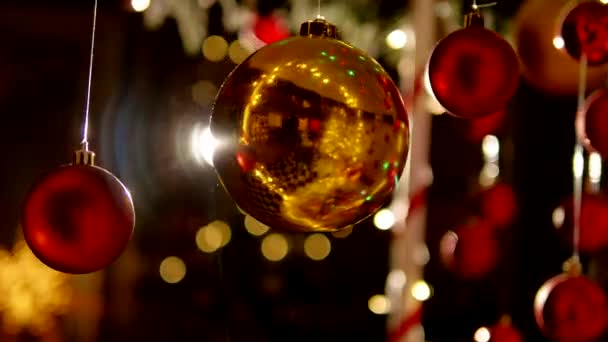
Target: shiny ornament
<point>499,205</point>
<point>593,226</point>
<point>471,251</point>
<point>313,134</point>
<point>592,123</point>
<point>473,71</point>
<point>534,32</point>
<point>78,218</point>
<point>476,130</point>
<point>585,32</point>
<point>571,308</point>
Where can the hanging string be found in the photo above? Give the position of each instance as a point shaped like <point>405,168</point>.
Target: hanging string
<point>85,128</point>
<point>475,6</point>
<point>578,163</point>
<point>319,16</point>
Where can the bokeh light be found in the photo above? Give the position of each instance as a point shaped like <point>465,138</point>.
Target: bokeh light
<point>379,304</point>
<point>203,92</point>
<point>559,214</point>
<point>384,219</point>
<point>255,227</point>
<point>491,148</point>
<point>172,270</point>
<point>482,335</point>
<point>215,48</point>
<point>237,52</point>
<point>275,247</point>
<point>559,43</point>
<point>421,291</point>
<point>213,236</point>
<point>396,280</point>
<point>140,5</point>
<point>396,39</point>
<point>317,246</point>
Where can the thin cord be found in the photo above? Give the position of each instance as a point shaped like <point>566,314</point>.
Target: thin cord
<point>475,6</point>
<point>85,128</point>
<point>319,10</point>
<point>579,163</point>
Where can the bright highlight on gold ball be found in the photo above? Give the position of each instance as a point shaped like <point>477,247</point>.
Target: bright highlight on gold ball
<point>215,48</point>
<point>317,246</point>
<point>172,270</point>
<point>275,247</point>
<point>213,236</point>
<point>255,227</point>
<point>379,304</point>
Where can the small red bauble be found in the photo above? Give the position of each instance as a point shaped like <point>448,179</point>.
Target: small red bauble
<point>571,309</point>
<point>78,218</point>
<point>471,251</point>
<point>504,332</point>
<point>270,29</point>
<point>499,205</point>
<point>592,123</point>
<point>473,72</point>
<point>585,32</point>
<point>593,232</point>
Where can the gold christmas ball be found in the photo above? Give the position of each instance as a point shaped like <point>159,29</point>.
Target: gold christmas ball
<point>313,134</point>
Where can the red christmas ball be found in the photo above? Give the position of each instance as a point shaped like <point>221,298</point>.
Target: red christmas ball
<point>592,123</point>
<point>504,332</point>
<point>499,205</point>
<point>471,252</point>
<point>78,218</point>
<point>584,31</point>
<point>473,72</point>
<point>571,309</point>
<point>270,29</point>
<point>593,223</point>
<point>477,129</point>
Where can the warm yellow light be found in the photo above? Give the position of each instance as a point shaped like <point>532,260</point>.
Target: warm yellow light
<point>317,246</point>
<point>213,236</point>
<point>275,247</point>
<point>595,166</point>
<point>140,5</point>
<point>482,335</point>
<point>421,291</point>
<point>172,270</point>
<point>491,148</point>
<point>255,227</point>
<point>384,219</point>
<point>559,214</point>
<point>397,39</point>
<point>379,304</point>
<point>558,42</point>
<point>215,48</point>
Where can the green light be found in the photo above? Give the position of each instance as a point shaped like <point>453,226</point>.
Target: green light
<point>351,73</point>
<point>386,165</point>
<point>368,198</point>
<point>323,53</point>
<point>333,58</point>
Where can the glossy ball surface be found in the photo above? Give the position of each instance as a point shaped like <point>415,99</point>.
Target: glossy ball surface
<point>592,123</point>
<point>473,72</point>
<point>78,219</point>
<point>571,309</point>
<point>312,133</point>
<point>584,31</point>
<point>593,233</point>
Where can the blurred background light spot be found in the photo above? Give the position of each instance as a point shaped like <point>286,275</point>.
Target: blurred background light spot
<point>140,5</point>
<point>275,247</point>
<point>172,270</point>
<point>213,236</point>
<point>396,279</point>
<point>384,219</point>
<point>421,291</point>
<point>215,48</point>
<point>379,304</point>
<point>203,92</point>
<point>559,42</point>
<point>237,52</point>
<point>482,335</point>
<point>559,214</point>
<point>421,255</point>
<point>396,39</point>
<point>317,246</point>
<point>255,227</point>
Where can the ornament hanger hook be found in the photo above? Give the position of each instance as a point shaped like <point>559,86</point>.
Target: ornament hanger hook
<point>475,6</point>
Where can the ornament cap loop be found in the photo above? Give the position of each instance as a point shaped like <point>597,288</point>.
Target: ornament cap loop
<point>474,19</point>
<point>84,157</point>
<point>319,28</point>
<point>573,266</point>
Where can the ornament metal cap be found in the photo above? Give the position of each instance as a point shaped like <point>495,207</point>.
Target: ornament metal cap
<point>319,28</point>
<point>573,266</point>
<point>474,19</point>
<point>83,156</point>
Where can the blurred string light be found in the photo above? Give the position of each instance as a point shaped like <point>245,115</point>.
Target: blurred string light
<point>213,236</point>
<point>275,247</point>
<point>558,42</point>
<point>379,304</point>
<point>559,214</point>
<point>31,294</point>
<point>215,48</point>
<point>421,291</point>
<point>482,335</point>
<point>397,39</point>
<point>396,280</point>
<point>384,219</point>
<point>255,227</point>
<point>172,270</point>
<point>203,144</point>
<point>490,148</point>
<point>595,168</point>
<point>140,5</point>
<point>237,52</point>
<point>317,246</point>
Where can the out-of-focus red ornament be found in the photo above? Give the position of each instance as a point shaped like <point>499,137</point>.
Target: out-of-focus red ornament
<point>505,332</point>
<point>478,128</point>
<point>78,218</point>
<point>584,31</point>
<point>571,308</point>
<point>271,28</point>
<point>592,123</point>
<point>471,251</point>
<point>473,72</point>
<point>499,205</point>
<point>593,223</point>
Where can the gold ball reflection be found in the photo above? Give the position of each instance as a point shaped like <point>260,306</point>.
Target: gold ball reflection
<point>317,246</point>
<point>314,135</point>
<point>275,247</point>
